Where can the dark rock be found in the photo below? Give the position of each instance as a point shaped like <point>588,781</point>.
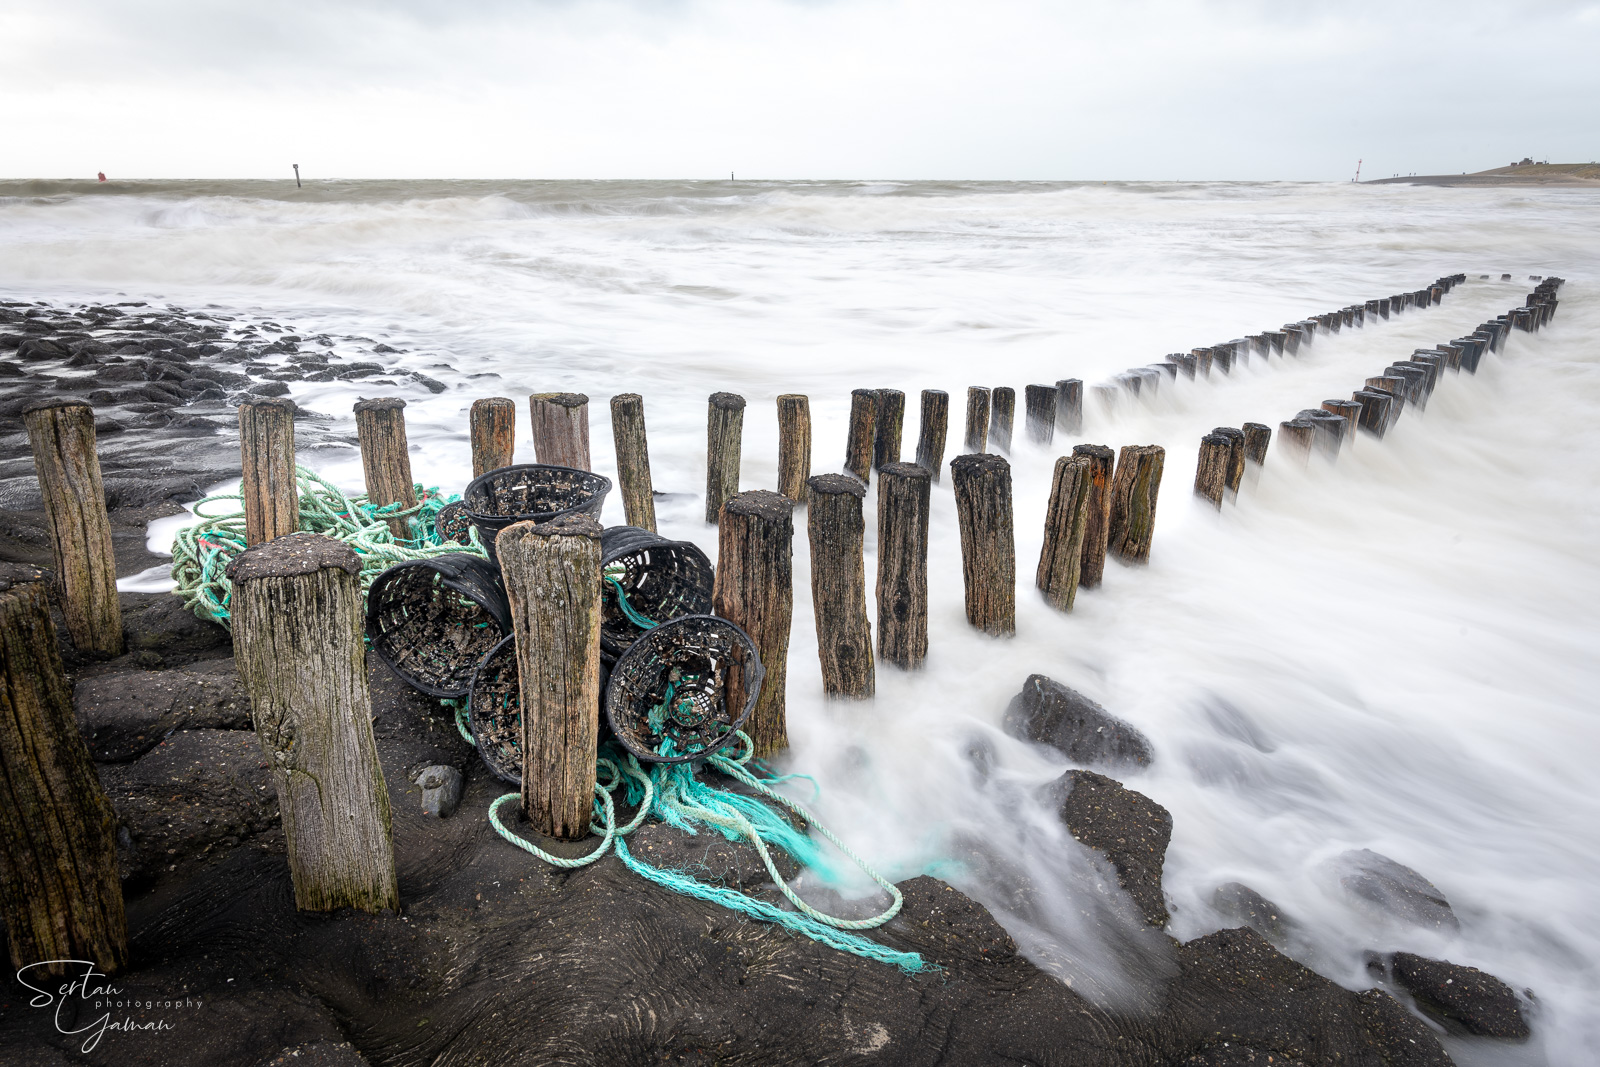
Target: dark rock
<point>269,389</point>
<point>1244,905</point>
<point>1234,1055</point>
<point>361,370</point>
<point>319,1054</point>
<point>36,349</point>
<point>1129,828</point>
<point>1395,889</point>
<point>947,926</point>
<point>124,715</point>
<point>91,347</point>
<point>382,348</point>
<point>120,372</point>
<point>441,790</point>
<point>1461,998</point>
<point>1049,713</point>
<point>11,370</point>
<point>433,385</point>
<point>707,856</point>
<point>1399,1037</point>
<point>160,623</point>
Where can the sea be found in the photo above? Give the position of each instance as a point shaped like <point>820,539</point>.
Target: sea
<point>1398,651</point>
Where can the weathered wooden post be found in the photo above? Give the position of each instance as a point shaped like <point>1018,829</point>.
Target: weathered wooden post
<point>1375,407</point>
<point>1069,405</point>
<point>904,490</point>
<point>724,444</point>
<point>493,426</point>
<point>977,437</point>
<point>888,421</point>
<point>930,436</point>
<point>1061,559</point>
<point>794,445</point>
<point>1211,472</point>
<point>1097,526</point>
<point>552,576</point>
<point>837,531</point>
<point>59,891</point>
<point>1296,437</point>
<point>1235,474</point>
<point>988,544</point>
<point>1040,401</point>
<point>560,423</point>
<point>633,460</point>
<point>1257,436</point>
<point>61,433</point>
<point>386,458</point>
<point>754,588</point>
<point>297,613</point>
<point>859,442</point>
<point>1003,405</point>
<point>1330,429</point>
<point>1134,489</point>
<point>1348,410</point>
<point>266,456</point>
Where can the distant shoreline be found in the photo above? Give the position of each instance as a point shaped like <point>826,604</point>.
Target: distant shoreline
<point>1544,175</point>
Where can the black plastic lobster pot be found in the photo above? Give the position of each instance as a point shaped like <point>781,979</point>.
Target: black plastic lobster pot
<point>453,523</point>
<point>531,492</point>
<point>648,580</point>
<point>494,710</point>
<point>433,620</point>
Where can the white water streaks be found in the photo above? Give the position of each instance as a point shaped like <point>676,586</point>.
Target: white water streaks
<point>1394,653</point>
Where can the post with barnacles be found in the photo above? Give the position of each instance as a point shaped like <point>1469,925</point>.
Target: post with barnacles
<point>60,895</point>
<point>633,460</point>
<point>988,544</point>
<point>61,434</point>
<point>858,446</point>
<point>266,459</point>
<point>297,614</point>
<point>1134,489</point>
<point>904,491</point>
<point>552,577</point>
<point>493,425</point>
<point>837,532</point>
<point>794,445</point>
<point>386,457</point>
<point>931,434</point>
<point>1061,559</point>
<point>724,444</point>
<point>754,589</point>
<point>560,424</point>
<point>977,436</point>
<point>1097,524</point>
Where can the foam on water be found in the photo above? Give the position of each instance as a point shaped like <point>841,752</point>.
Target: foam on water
<point>1397,653</point>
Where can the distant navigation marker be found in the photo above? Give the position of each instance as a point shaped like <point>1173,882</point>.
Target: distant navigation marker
<point>1358,171</point>
<point>297,184</point>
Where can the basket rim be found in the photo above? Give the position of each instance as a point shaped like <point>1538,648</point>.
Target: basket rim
<point>472,721</point>
<point>603,488</point>
<point>371,613</point>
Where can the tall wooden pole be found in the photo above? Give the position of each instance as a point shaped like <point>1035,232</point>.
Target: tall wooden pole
<point>754,588</point>
<point>493,425</point>
<point>977,436</point>
<point>386,457</point>
<point>1003,405</point>
<point>633,460</point>
<point>1097,524</point>
<point>794,445</point>
<point>1134,489</point>
<point>1040,401</point>
<point>560,424</point>
<point>61,434</point>
<point>1061,559</point>
<point>724,444</point>
<point>297,632</point>
<point>904,490</point>
<point>888,423</point>
<point>988,544</point>
<point>266,457</point>
<point>858,446</point>
<point>931,435</point>
<point>839,585</point>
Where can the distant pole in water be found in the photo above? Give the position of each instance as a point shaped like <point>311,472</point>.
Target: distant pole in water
<point>296,167</point>
<point>1358,171</point>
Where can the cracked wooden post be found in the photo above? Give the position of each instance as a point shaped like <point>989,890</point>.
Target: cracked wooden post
<point>837,533</point>
<point>1003,414</point>
<point>266,456</point>
<point>1040,402</point>
<point>1097,526</point>
<point>1257,436</point>
<point>1069,405</point>
<point>560,424</point>
<point>931,434</point>
<point>297,632</point>
<point>794,445</point>
<point>889,416</point>
<point>988,544</point>
<point>977,436</point>
<point>858,445</point>
<point>904,491</point>
<point>1061,558</point>
<point>754,588</point>
<point>61,434</point>
<point>552,576</point>
<point>493,425</point>
<point>1134,489</point>
<point>724,444</point>
<point>633,460</point>
<point>386,458</point>
<point>1235,472</point>
<point>1211,470</point>
<point>60,894</point>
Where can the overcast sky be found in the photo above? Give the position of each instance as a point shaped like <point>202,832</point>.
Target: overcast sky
<point>794,88</point>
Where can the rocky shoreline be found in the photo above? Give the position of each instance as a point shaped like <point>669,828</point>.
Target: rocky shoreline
<point>498,959</point>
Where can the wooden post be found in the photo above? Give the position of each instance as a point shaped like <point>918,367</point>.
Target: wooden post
<point>633,460</point>
<point>1257,436</point>
<point>266,456</point>
<point>1296,437</point>
<point>724,443</point>
<point>988,545</point>
<point>61,434</point>
<point>1003,405</point>
<point>1061,559</point>
<point>297,614</point>
<point>59,891</point>
<point>755,588</point>
<point>1235,474</point>
<point>1330,433</point>
<point>1097,527</point>
<point>930,437</point>
<point>1134,489</point>
<point>863,422</point>
<point>839,584</point>
<point>1375,407</point>
<point>904,490</point>
<point>1069,405</point>
<point>552,576</point>
<point>560,423</point>
<point>977,438</point>
<point>1348,410</point>
<point>1211,472</point>
<point>493,425</point>
<point>386,458</point>
<point>794,445</point>
<point>1040,401</point>
<point>888,420</point>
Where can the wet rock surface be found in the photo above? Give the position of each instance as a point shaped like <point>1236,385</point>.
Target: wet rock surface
<point>1049,713</point>
<point>1400,1037</point>
<point>1462,998</point>
<point>1129,828</point>
<point>125,714</point>
<point>1244,905</point>
<point>1380,883</point>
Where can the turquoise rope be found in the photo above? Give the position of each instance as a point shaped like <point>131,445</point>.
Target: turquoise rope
<point>628,609</point>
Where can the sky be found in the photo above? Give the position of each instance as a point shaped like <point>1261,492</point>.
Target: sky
<point>895,89</point>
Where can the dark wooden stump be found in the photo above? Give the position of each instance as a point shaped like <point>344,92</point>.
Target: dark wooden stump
<point>988,545</point>
<point>1040,402</point>
<point>1003,409</point>
<point>1069,405</point>
<point>1330,433</point>
<point>1348,410</point>
<point>794,445</point>
<point>386,457</point>
<point>724,445</point>
<point>1061,558</point>
<point>888,422</point>
<point>61,434</point>
<point>297,632</point>
<point>935,424</point>
<point>755,589</point>
<point>493,426</point>
<point>633,460</point>
<point>904,490</point>
<point>862,432</point>
<point>837,530</point>
<point>266,457</point>
<point>1375,408</point>
<point>59,891</point>
<point>560,423</point>
<point>1097,526</point>
<point>1236,457</point>
<point>1257,436</point>
<point>1296,437</point>
<point>977,436</point>
<point>1134,489</point>
<point>1211,471</point>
